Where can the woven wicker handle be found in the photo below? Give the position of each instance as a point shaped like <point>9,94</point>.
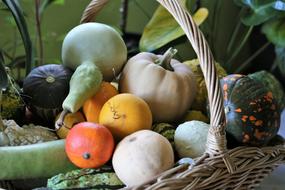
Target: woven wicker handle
<point>216,138</point>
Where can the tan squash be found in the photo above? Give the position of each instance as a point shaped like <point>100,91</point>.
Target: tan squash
<point>141,156</point>
<point>167,85</point>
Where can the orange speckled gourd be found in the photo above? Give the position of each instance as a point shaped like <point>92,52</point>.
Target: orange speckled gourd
<point>251,111</point>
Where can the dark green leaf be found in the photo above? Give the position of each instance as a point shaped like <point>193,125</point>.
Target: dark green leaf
<point>256,12</point>
<point>3,74</point>
<point>22,27</point>
<point>280,59</point>
<point>275,31</point>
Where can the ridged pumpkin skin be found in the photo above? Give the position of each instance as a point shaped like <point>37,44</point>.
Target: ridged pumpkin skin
<point>46,87</point>
<point>169,94</point>
<point>89,145</point>
<point>252,115</point>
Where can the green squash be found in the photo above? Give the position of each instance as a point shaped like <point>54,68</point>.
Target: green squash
<point>102,178</point>
<point>166,130</point>
<point>201,99</point>
<point>272,83</point>
<point>252,113</point>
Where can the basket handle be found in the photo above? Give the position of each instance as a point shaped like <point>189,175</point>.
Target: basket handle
<point>216,142</point>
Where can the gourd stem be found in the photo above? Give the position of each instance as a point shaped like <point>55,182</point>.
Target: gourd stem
<point>165,60</point>
<point>60,121</point>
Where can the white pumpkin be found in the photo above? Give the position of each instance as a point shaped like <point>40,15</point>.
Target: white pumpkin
<point>141,156</point>
<point>190,138</point>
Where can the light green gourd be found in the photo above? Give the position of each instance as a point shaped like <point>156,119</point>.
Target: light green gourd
<point>96,52</point>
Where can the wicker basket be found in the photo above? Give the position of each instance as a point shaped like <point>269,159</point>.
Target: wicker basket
<point>219,168</point>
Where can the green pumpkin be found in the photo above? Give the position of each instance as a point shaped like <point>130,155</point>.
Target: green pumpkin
<point>252,113</point>
<point>270,82</point>
<point>166,130</point>
<point>101,178</point>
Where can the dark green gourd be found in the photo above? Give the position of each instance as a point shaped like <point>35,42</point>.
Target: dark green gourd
<point>272,83</point>
<point>252,114</point>
<point>45,88</point>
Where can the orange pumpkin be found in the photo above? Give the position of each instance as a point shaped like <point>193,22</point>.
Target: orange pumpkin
<point>93,105</point>
<point>124,114</point>
<point>69,121</point>
<point>89,145</point>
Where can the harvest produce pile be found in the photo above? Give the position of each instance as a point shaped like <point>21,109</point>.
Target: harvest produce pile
<point>122,121</point>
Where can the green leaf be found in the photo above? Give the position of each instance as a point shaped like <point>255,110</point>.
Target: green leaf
<point>275,31</point>
<point>46,3</point>
<point>163,28</point>
<point>256,12</point>
<point>280,59</point>
<point>3,74</point>
<point>17,13</point>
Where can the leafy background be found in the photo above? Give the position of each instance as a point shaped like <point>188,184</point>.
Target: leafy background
<point>244,36</point>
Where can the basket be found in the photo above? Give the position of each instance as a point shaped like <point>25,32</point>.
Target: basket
<point>219,168</point>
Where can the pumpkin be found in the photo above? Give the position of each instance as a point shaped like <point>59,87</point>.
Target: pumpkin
<point>89,145</point>
<point>272,83</point>
<point>45,88</point>
<point>124,114</point>
<point>252,114</point>
<point>70,120</point>
<point>100,55</point>
<point>101,178</point>
<point>167,85</point>
<point>201,99</point>
<point>190,138</point>
<point>141,156</point>
<point>92,106</point>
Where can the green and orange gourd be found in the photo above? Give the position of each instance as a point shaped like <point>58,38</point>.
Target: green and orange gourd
<point>95,51</point>
<point>252,113</point>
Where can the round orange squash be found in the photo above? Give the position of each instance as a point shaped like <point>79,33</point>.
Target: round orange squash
<point>89,145</point>
<point>124,114</point>
<point>92,106</point>
<point>69,121</point>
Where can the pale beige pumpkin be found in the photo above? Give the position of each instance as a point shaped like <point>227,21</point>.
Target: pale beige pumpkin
<point>167,85</point>
<point>141,156</point>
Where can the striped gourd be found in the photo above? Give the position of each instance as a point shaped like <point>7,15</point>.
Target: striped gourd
<point>166,130</point>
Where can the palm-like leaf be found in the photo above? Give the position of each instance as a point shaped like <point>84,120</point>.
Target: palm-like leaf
<point>17,13</point>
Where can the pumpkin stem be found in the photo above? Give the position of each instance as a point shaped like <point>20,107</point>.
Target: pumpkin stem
<point>165,60</point>
<point>60,121</point>
<point>86,155</point>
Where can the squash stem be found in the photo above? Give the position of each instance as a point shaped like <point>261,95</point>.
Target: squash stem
<point>165,60</point>
<point>60,121</point>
